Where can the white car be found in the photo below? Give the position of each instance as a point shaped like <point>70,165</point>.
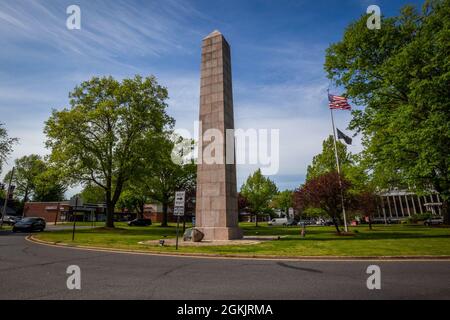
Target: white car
<point>278,222</point>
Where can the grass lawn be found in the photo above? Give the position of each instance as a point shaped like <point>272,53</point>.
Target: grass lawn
<point>383,240</point>
<point>6,227</point>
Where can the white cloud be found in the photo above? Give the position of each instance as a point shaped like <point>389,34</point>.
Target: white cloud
<point>109,29</point>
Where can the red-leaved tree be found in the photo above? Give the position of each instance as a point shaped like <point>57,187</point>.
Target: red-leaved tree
<point>324,192</point>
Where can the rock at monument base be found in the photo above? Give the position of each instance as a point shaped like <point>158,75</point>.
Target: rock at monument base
<point>193,234</point>
<point>197,235</point>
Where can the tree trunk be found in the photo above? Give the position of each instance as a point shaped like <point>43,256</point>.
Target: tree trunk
<point>256,220</point>
<point>109,210</point>
<point>165,214</point>
<point>25,197</point>
<point>336,225</point>
<point>370,222</point>
<point>140,211</point>
<point>109,214</point>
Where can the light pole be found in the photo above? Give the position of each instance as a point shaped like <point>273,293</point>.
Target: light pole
<point>7,197</point>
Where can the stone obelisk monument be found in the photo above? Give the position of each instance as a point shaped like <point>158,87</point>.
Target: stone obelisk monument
<point>217,203</point>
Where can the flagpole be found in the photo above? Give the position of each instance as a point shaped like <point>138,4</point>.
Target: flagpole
<point>338,170</point>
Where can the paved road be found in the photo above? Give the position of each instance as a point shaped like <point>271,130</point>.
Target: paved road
<point>33,271</point>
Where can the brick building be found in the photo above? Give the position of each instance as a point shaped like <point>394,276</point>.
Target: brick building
<point>88,212</point>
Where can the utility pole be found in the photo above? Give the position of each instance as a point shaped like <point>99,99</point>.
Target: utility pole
<point>7,197</point>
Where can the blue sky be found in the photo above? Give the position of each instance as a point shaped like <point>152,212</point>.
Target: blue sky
<point>277,59</point>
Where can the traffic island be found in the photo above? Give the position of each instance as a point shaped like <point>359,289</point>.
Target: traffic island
<point>248,240</point>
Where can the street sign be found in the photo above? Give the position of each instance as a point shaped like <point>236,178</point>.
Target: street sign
<point>179,198</point>
<point>178,211</point>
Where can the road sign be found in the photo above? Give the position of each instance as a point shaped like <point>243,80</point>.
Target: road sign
<point>179,198</point>
<point>178,211</point>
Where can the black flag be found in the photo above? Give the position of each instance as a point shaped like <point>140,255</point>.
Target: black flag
<point>346,138</point>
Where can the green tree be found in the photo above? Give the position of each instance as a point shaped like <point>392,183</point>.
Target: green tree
<point>259,191</point>
<point>325,161</point>
<point>134,199</point>
<point>167,174</point>
<point>401,73</point>
<point>283,201</point>
<point>50,185</point>
<point>35,179</point>
<point>352,166</point>
<point>103,136</point>
<point>93,193</point>
<point>27,169</point>
<point>6,144</point>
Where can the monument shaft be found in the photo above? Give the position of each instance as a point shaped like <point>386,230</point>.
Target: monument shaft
<point>217,203</point>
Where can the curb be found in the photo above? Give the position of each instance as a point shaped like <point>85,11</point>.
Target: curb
<point>31,238</point>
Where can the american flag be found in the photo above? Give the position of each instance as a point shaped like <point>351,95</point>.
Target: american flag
<point>338,102</point>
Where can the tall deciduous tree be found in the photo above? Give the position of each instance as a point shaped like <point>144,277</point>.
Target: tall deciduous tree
<point>36,179</point>
<point>27,170</point>
<point>401,73</point>
<point>283,201</point>
<point>92,193</point>
<point>259,191</point>
<point>50,185</point>
<point>102,137</point>
<point>6,144</point>
<point>351,165</point>
<point>325,161</point>
<point>168,175</point>
<point>134,199</point>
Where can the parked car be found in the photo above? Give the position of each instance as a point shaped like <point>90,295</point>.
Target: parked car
<point>140,222</point>
<point>278,222</point>
<point>29,224</point>
<point>305,222</point>
<point>433,221</point>
<point>11,220</point>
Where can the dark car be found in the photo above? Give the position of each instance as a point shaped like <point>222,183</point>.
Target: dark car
<point>29,224</point>
<point>140,222</point>
<point>291,223</point>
